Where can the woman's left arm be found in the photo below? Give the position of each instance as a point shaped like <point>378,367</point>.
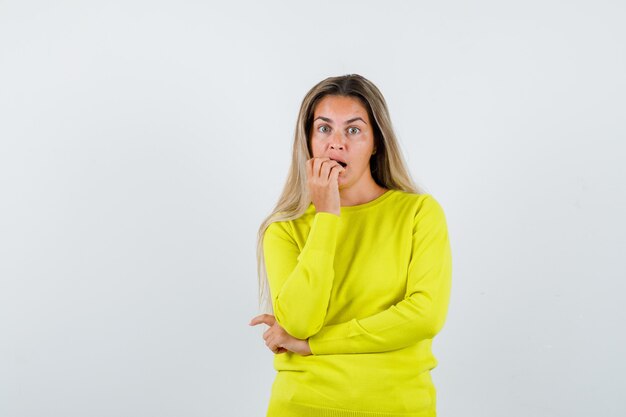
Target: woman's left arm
<point>422,312</point>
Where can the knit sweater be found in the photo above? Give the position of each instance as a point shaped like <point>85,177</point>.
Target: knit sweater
<point>369,289</point>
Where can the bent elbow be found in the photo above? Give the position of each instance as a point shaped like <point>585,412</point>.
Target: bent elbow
<point>434,326</point>
<point>304,333</point>
<point>296,326</point>
<point>431,330</point>
<point>301,329</point>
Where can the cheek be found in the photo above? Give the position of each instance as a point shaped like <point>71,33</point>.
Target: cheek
<point>316,149</point>
<point>313,145</point>
<point>364,159</point>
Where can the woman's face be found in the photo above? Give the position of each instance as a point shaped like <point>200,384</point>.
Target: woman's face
<point>342,131</point>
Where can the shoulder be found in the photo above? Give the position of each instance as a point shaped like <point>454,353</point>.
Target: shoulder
<point>428,202</point>
<point>290,229</point>
<point>423,207</point>
<point>418,202</point>
<point>279,230</point>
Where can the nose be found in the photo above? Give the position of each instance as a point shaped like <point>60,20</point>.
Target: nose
<point>337,140</point>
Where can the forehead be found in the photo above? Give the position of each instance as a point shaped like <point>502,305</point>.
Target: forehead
<point>340,106</point>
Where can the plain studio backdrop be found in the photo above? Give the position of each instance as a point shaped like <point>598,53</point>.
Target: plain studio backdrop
<point>142,143</point>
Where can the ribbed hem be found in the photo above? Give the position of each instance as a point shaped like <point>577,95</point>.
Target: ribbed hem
<point>279,408</point>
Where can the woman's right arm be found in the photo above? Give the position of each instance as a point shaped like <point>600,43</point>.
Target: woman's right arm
<point>301,281</point>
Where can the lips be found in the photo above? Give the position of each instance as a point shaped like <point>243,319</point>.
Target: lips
<point>341,162</point>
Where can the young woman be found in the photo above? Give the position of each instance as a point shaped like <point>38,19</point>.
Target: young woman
<point>358,264</point>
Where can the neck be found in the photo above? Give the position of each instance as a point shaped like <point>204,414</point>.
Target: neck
<point>352,196</point>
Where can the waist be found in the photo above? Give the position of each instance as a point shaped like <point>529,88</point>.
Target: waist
<point>393,381</point>
<point>411,360</point>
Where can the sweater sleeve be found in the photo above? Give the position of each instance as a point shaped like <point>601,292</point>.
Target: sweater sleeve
<point>422,312</point>
<point>301,281</point>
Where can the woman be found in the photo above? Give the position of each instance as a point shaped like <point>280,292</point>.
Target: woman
<point>358,264</point>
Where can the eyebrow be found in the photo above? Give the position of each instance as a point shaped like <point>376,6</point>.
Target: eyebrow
<point>326,119</point>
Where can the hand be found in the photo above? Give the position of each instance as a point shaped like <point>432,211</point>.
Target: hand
<point>322,178</point>
<point>277,339</point>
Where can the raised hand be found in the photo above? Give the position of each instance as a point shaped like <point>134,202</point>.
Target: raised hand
<point>322,178</point>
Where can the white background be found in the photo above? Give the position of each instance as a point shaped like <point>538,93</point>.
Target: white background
<point>142,143</point>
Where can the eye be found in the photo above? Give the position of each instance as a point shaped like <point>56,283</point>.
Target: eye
<point>321,127</point>
<point>356,128</point>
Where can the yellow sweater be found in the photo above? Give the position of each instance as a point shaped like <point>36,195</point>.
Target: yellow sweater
<point>369,289</point>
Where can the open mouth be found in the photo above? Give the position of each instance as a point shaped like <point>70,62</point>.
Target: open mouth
<point>343,164</point>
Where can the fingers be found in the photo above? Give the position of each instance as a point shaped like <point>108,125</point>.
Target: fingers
<point>323,168</point>
<point>271,336</point>
<point>317,163</point>
<point>263,318</point>
<point>271,341</point>
<point>334,173</point>
<point>327,166</point>
<point>273,329</point>
<point>313,168</point>
<point>273,344</point>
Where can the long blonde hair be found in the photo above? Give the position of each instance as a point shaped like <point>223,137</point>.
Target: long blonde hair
<point>387,164</point>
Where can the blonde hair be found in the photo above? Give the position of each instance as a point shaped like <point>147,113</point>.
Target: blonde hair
<point>387,164</point>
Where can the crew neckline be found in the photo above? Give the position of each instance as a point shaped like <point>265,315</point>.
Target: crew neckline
<point>368,204</point>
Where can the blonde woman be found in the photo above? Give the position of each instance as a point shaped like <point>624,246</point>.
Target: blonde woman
<point>358,265</point>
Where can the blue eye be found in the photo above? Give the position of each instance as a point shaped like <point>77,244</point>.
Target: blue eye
<point>356,129</point>
<point>321,127</point>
